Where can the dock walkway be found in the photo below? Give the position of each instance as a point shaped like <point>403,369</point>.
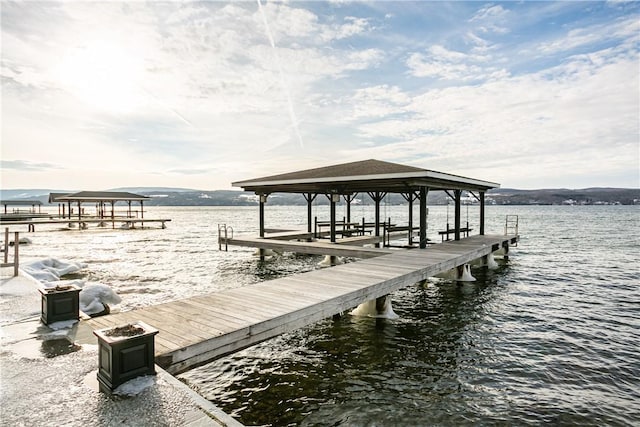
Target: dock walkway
<point>196,330</point>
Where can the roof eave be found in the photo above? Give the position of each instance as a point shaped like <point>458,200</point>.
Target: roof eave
<point>448,181</point>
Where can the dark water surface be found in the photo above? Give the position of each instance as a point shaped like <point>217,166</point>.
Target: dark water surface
<point>552,336</point>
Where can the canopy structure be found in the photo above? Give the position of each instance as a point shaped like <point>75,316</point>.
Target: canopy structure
<point>33,208</point>
<point>376,178</point>
<point>30,203</point>
<point>100,198</point>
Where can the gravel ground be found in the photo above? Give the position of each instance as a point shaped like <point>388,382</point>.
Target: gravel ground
<point>48,382</point>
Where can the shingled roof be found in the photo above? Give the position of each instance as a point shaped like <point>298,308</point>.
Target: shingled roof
<point>97,196</point>
<point>366,175</point>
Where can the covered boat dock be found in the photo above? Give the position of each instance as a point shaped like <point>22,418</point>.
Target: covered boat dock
<point>101,199</point>
<point>377,179</point>
<point>21,209</point>
<point>105,210</point>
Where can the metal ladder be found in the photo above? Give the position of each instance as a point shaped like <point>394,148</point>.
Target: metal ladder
<point>223,235</point>
<point>511,226</point>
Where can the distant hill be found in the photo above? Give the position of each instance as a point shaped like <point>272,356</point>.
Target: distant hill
<point>30,193</point>
<point>142,190</point>
<point>166,196</point>
<point>560,196</point>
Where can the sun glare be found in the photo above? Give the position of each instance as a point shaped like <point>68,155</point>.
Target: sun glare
<point>104,76</point>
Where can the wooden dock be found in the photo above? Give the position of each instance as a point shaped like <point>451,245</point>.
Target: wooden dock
<point>196,330</point>
<point>343,247</point>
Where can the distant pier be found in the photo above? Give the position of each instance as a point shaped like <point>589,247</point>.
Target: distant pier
<point>105,211</point>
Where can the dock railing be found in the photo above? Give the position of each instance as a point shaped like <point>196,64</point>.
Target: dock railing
<point>16,251</point>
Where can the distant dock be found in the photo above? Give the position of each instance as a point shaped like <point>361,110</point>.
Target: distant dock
<point>105,211</point>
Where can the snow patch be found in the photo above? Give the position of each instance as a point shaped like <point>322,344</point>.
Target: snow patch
<point>51,269</point>
<point>135,386</point>
<point>94,297</point>
<point>63,324</point>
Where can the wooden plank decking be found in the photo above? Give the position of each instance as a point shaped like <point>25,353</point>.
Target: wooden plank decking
<point>196,330</point>
<point>292,241</point>
<point>311,248</point>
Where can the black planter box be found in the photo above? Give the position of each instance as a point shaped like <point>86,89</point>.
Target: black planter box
<point>125,352</point>
<point>60,303</point>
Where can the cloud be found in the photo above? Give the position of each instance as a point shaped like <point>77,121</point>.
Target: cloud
<point>192,171</point>
<point>379,101</point>
<point>491,19</point>
<point>621,29</point>
<point>352,26</point>
<point>25,165</point>
<point>544,126</point>
<point>442,63</point>
<point>489,12</point>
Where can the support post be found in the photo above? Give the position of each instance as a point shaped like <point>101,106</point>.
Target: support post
<point>333,198</point>
<point>458,194</point>
<point>309,198</point>
<point>505,248</point>
<point>6,245</point>
<point>410,222</point>
<point>348,198</point>
<point>263,200</point>
<point>377,214</point>
<point>113,214</point>
<point>377,198</point>
<point>482,213</point>
<point>16,253</point>
<point>410,197</point>
<point>423,217</point>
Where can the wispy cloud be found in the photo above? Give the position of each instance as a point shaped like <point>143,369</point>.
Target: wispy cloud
<point>440,62</point>
<point>27,166</point>
<point>627,28</point>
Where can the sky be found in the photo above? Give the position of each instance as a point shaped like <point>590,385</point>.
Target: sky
<point>102,95</point>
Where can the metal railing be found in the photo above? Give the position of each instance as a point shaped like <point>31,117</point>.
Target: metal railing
<point>223,235</point>
<point>511,225</point>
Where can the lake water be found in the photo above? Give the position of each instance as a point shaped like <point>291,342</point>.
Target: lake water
<point>551,336</point>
